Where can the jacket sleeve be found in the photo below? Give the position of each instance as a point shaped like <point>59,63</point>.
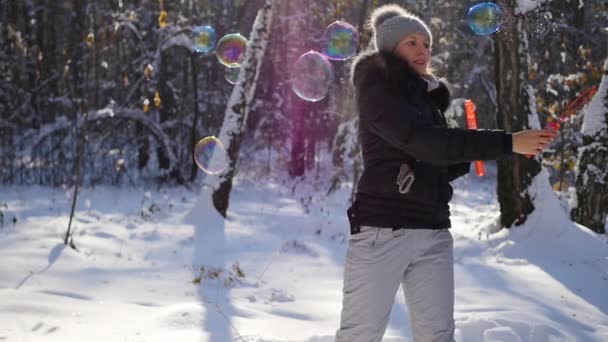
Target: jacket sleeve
<point>380,112</point>
<point>458,170</point>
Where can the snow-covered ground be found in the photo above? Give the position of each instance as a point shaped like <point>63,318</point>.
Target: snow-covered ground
<point>140,252</point>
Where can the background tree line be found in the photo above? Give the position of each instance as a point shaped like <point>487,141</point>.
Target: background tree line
<point>112,91</point>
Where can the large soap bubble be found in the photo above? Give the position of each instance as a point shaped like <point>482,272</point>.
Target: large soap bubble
<point>311,76</point>
<point>340,41</point>
<point>232,75</point>
<point>203,39</point>
<point>485,18</point>
<point>231,50</point>
<point>210,155</point>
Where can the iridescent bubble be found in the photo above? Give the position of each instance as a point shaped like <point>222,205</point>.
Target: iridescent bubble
<point>232,75</point>
<point>340,41</point>
<point>203,39</point>
<point>231,50</point>
<point>485,18</point>
<point>312,76</point>
<point>210,155</point>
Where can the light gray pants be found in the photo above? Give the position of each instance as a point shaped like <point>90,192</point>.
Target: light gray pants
<point>377,261</point>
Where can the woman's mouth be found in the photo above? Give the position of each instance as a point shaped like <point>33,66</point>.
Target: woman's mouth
<point>420,62</point>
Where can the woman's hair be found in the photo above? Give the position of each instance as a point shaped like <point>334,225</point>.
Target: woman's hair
<point>430,69</point>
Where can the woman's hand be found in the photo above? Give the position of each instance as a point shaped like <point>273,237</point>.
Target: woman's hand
<point>532,142</point>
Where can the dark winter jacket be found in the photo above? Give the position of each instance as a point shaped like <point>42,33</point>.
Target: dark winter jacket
<point>402,127</point>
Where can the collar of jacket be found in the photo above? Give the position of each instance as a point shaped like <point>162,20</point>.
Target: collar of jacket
<point>400,77</point>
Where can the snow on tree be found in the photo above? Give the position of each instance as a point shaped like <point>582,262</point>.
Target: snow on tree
<point>516,112</point>
<point>347,155</point>
<point>237,110</point>
<point>525,6</point>
<point>590,206</point>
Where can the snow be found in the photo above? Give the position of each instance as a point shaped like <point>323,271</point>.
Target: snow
<point>455,112</point>
<point>525,6</point>
<point>7,124</point>
<point>141,249</point>
<point>125,22</point>
<point>176,38</point>
<point>597,173</point>
<point>348,132</point>
<point>34,137</point>
<point>533,119</point>
<point>596,112</point>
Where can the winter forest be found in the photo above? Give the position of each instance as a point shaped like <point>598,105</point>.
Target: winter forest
<point>111,229</point>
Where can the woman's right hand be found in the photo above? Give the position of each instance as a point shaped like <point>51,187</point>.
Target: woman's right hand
<point>532,142</point>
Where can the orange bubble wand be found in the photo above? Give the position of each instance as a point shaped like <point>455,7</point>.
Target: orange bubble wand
<point>572,108</point>
<point>469,107</point>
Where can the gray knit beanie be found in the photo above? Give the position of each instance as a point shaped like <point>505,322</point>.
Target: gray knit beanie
<point>392,23</point>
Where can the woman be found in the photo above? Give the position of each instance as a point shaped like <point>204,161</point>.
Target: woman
<point>400,218</point>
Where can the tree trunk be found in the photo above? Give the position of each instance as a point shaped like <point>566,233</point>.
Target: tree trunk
<point>516,110</point>
<point>298,111</point>
<point>80,108</point>
<point>237,110</point>
<point>591,173</point>
<point>361,23</point>
<point>193,137</point>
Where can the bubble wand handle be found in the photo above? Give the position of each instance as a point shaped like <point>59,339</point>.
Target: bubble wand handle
<point>469,107</point>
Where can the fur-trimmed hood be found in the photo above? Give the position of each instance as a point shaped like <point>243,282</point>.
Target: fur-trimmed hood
<point>386,67</point>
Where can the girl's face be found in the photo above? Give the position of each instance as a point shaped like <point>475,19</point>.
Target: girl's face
<point>415,49</point>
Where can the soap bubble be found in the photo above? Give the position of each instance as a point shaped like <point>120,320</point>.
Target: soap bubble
<point>210,155</point>
<point>485,18</point>
<point>231,50</point>
<point>203,39</point>
<point>232,75</point>
<point>312,76</point>
<point>340,41</point>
